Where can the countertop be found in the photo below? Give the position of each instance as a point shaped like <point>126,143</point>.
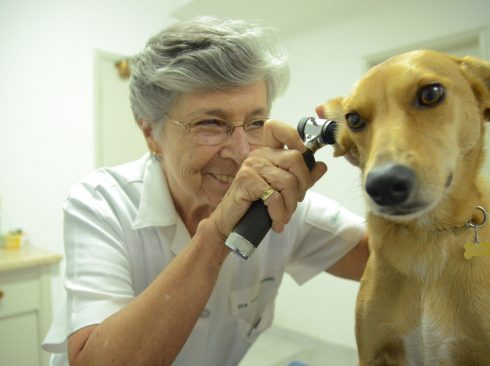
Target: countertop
<point>28,256</point>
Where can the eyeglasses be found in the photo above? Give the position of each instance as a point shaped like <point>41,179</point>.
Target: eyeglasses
<point>214,131</point>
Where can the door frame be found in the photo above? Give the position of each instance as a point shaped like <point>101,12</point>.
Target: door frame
<point>100,57</point>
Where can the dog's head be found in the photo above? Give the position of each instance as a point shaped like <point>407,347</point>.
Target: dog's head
<point>409,125</point>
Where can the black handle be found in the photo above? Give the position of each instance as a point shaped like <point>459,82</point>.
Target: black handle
<point>255,224</point>
<point>309,159</point>
<point>253,227</point>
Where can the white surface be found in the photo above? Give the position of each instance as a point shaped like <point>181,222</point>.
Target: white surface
<point>280,347</point>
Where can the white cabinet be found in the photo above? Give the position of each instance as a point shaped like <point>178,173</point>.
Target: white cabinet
<point>25,305</point>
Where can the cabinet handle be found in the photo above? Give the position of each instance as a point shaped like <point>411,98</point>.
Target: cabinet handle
<point>1,294</point>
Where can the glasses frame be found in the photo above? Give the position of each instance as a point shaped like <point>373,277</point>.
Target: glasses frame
<point>189,127</point>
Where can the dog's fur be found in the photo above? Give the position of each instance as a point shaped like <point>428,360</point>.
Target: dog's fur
<point>421,302</point>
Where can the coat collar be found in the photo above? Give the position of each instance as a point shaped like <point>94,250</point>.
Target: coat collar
<point>156,206</point>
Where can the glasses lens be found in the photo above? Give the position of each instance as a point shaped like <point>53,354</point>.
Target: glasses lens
<point>215,131</point>
<point>210,131</point>
<point>254,130</point>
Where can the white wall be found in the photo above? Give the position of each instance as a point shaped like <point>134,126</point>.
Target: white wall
<point>47,109</point>
<point>47,103</point>
<point>325,63</point>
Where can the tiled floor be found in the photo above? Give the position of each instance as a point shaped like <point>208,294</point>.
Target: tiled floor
<point>283,347</point>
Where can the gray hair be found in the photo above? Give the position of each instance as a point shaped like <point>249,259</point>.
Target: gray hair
<point>204,53</point>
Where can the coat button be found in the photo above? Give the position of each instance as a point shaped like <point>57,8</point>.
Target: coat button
<point>205,313</point>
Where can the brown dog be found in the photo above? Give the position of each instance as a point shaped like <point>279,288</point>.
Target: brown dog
<point>415,127</point>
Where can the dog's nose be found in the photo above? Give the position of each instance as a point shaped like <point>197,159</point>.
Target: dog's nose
<point>390,184</point>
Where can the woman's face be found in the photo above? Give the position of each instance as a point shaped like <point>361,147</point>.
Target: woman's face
<point>200,175</point>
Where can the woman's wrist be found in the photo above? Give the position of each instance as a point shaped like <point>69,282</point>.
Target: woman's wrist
<point>211,238</point>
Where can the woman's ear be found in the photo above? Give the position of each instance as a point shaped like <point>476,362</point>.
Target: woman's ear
<point>147,129</point>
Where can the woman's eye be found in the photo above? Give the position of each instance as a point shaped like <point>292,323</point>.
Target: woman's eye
<point>255,124</point>
<point>211,123</point>
<point>431,95</point>
<point>355,121</point>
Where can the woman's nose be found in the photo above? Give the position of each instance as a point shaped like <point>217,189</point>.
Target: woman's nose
<point>237,146</point>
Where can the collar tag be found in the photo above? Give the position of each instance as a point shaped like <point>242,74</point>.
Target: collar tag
<point>476,250</point>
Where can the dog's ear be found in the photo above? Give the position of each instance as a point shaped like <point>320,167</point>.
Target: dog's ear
<point>344,146</point>
<point>477,72</point>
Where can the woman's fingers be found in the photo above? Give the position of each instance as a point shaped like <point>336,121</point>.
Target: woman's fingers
<point>278,167</point>
<point>278,134</point>
<point>320,110</point>
<point>273,165</point>
<point>284,169</point>
<point>247,187</point>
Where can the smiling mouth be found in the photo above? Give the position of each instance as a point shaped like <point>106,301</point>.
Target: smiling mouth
<point>223,178</point>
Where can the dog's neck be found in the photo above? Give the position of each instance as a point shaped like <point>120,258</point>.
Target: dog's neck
<point>468,190</point>
<point>476,218</point>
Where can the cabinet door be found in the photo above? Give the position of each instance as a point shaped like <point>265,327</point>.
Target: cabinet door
<point>24,315</point>
<point>19,340</point>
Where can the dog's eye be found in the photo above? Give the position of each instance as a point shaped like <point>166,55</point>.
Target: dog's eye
<point>431,95</point>
<point>355,121</point>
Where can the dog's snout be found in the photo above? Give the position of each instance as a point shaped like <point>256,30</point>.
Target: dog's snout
<point>390,184</point>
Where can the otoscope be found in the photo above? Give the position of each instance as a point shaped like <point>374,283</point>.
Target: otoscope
<point>254,225</point>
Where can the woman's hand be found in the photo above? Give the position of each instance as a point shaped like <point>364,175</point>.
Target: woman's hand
<point>270,165</point>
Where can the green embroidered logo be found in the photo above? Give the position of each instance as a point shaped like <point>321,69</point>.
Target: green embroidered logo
<point>335,218</point>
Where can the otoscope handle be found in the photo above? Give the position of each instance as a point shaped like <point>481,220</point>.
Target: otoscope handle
<point>253,227</point>
<point>309,159</point>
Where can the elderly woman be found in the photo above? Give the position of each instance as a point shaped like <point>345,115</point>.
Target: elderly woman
<point>149,279</point>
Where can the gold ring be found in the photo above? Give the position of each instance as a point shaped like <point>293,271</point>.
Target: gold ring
<point>267,193</point>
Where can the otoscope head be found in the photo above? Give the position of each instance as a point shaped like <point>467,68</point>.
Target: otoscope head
<point>317,132</point>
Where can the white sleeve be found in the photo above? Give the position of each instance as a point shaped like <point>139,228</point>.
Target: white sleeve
<point>325,232</point>
<point>98,273</point>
